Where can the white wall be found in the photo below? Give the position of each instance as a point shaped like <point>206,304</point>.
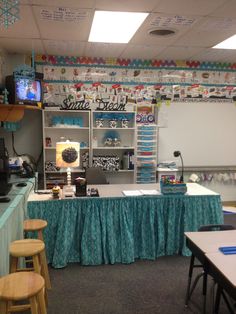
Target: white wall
<point>12,61</point>
<point>28,139</point>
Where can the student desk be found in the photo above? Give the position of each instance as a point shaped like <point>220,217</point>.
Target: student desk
<point>113,228</point>
<point>222,268</point>
<point>11,221</point>
<point>205,247</point>
<point>204,242</point>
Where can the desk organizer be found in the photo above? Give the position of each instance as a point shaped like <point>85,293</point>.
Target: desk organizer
<point>146,153</point>
<point>172,188</point>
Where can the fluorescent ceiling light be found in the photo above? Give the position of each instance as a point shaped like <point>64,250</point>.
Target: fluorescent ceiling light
<point>115,27</point>
<point>229,43</point>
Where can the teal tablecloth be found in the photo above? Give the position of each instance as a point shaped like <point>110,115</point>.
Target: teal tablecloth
<point>112,230</point>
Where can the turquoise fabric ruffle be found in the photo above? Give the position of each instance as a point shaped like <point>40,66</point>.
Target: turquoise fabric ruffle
<point>96,231</point>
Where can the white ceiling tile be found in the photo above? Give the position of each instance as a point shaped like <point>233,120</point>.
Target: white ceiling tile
<point>23,28</point>
<point>196,7</point>
<point>22,45</point>
<point>178,53</point>
<point>215,55</point>
<point>204,34</point>
<point>140,52</point>
<point>60,47</point>
<point>54,24</point>
<point>65,3</point>
<point>154,21</point>
<point>226,10</point>
<point>103,50</point>
<point>64,27</point>
<point>217,24</point>
<point>127,5</point>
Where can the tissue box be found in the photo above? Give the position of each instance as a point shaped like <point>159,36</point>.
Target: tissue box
<point>180,188</point>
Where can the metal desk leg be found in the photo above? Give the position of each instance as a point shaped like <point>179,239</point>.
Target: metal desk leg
<point>190,273</point>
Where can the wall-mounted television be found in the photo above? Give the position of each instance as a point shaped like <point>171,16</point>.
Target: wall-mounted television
<point>24,91</point>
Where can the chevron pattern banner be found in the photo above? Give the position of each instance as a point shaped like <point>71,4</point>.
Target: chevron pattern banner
<point>139,63</point>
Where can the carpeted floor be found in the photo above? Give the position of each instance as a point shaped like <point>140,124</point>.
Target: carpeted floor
<point>144,287</point>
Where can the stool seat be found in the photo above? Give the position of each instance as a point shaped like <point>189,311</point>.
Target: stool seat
<point>20,287</point>
<point>26,247</point>
<point>33,248</point>
<point>34,224</point>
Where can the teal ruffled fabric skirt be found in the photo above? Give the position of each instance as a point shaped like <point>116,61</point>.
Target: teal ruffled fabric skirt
<point>96,231</point>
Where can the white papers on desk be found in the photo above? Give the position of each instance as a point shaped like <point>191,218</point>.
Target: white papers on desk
<point>150,192</point>
<point>140,192</point>
<point>132,193</point>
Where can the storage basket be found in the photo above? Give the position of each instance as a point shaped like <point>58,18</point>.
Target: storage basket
<point>180,188</point>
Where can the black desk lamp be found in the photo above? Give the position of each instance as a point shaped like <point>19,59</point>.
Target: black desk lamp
<point>177,153</point>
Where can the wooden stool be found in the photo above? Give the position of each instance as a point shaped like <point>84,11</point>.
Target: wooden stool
<point>19,287</point>
<point>35,225</point>
<point>30,248</point>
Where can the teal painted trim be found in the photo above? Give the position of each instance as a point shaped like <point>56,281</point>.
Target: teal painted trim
<point>16,202</point>
<point>135,67</point>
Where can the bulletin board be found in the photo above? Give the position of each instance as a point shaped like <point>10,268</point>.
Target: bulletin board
<point>204,132</point>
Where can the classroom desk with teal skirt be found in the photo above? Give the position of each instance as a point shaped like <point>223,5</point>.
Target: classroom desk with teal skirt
<point>114,228</point>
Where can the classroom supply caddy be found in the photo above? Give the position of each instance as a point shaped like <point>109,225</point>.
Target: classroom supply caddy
<point>172,187</point>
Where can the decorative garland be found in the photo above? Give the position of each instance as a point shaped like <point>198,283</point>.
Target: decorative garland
<point>73,61</point>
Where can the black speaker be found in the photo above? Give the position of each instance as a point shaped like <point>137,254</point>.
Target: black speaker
<point>5,186</point>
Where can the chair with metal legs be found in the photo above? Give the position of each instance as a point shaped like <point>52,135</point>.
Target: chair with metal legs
<point>191,287</point>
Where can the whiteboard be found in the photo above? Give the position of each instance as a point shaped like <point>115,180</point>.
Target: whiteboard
<point>204,133</point>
